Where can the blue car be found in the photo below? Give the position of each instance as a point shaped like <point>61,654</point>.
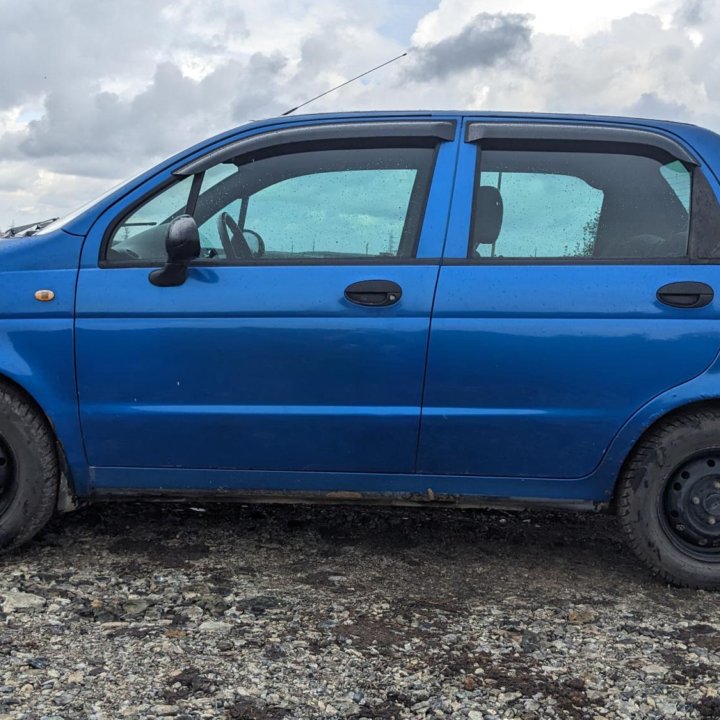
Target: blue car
<point>405,308</point>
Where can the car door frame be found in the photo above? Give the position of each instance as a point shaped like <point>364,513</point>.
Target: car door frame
<point>429,251</point>
<point>596,488</point>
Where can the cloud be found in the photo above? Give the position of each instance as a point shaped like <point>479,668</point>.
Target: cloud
<point>47,45</point>
<point>104,133</point>
<point>99,91</point>
<point>691,13</point>
<point>94,92</point>
<point>650,104</point>
<point>484,41</point>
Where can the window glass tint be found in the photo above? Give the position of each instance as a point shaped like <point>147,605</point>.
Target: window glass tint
<point>141,235</point>
<point>331,204</point>
<point>324,204</point>
<point>530,217</point>
<point>337,213</point>
<point>678,178</point>
<point>570,204</point>
<point>223,176</point>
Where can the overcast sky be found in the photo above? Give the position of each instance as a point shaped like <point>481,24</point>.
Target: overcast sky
<point>93,92</point>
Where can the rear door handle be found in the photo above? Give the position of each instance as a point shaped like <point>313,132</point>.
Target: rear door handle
<point>686,294</point>
<point>373,293</point>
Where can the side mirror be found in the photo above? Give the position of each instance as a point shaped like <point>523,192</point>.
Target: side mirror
<point>182,244</point>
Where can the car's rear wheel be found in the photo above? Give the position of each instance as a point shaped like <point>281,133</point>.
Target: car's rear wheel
<point>28,469</point>
<point>668,499</point>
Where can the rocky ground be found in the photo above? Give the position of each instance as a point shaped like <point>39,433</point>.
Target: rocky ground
<point>263,613</point>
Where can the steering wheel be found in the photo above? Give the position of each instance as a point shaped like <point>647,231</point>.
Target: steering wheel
<point>225,222</point>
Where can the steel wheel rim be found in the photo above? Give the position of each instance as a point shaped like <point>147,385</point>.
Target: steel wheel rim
<point>690,510</point>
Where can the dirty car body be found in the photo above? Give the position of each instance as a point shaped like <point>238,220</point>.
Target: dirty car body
<point>395,307</point>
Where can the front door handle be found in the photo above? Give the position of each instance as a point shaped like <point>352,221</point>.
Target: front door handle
<point>686,294</point>
<point>373,293</point>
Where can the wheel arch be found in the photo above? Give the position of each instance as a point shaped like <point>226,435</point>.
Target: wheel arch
<point>707,403</point>
<point>66,482</point>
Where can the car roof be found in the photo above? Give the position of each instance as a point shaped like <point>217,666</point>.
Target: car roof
<point>490,115</point>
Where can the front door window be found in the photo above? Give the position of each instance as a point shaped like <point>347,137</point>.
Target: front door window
<point>331,204</point>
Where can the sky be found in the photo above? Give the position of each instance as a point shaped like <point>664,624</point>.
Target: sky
<point>93,92</point>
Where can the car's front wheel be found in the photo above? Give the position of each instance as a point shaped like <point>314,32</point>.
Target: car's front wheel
<point>668,499</point>
<point>28,469</point>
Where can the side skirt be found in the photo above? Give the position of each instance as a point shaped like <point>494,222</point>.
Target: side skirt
<point>292,497</point>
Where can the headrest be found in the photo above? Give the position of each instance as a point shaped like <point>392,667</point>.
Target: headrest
<point>489,216</point>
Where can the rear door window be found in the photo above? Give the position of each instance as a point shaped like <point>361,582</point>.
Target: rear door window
<point>539,204</point>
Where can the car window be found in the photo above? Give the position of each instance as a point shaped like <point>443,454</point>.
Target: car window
<point>141,234</point>
<point>327,204</point>
<point>324,204</point>
<point>351,212</point>
<point>210,242</point>
<point>679,179</point>
<point>539,204</point>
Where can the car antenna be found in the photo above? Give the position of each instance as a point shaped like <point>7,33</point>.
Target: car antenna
<point>347,82</point>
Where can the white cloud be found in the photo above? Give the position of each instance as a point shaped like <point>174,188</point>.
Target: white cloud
<point>97,91</point>
<point>560,17</point>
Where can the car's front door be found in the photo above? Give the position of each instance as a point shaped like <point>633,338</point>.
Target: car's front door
<point>557,314</point>
<point>298,340</point>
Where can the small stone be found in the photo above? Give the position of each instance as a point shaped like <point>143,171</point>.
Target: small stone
<point>668,709</point>
<point>193,612</point>
<point>581,616</point>
<point>475,715</point>
<point>165,710</point>
<point>175,633</point>
<point>19,601</point>
<point>530,641</point>
<point>653,669</point>
<point>215,626</point>
<point>76,677</point>
<point>64,698</point>
<point>135,606</point>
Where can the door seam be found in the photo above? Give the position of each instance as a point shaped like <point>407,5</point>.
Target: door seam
<point>458,144</point>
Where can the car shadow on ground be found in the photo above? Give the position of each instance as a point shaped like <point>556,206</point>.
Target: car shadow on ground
<point>496,549</point>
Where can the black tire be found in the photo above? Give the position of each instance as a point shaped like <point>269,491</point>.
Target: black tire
<point>667,495</point>
<point>29,458</point>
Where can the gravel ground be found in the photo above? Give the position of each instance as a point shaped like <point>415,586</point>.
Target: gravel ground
<point>263,613</point>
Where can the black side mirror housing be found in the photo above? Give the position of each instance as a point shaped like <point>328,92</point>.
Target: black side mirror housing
<point>182,244</point>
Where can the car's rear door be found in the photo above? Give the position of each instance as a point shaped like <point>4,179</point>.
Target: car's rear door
<point>309,355</point>
<point>568,297</point>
